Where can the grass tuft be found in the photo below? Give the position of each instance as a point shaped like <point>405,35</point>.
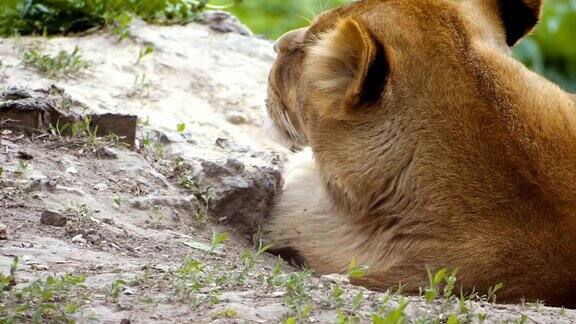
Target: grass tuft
<point>62,64</point>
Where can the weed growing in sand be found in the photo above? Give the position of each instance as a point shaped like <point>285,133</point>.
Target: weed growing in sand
<point>56,299</point>
<point>181,127</point>
<point>200,216</point>
<point>189,181</point>
<point>120,25</point>
<point>59,129</point>
<point>274,280</point>
<point>491,297</point>
<point>83,134</point>
<point>84,129</point>
<point>118,201</point>
<point>144,52</point>
<point>355,270</point>
<point>298,296</point>
<point>140,86</point>
<point>226,313</point>
<point>116,290</point>
<point>63,64</point>
<point>353,316</point>
<point>2,171</point>
<point>395,316</point>
<point>22,169</point>
<point>3,70</point>
<point>250,258</point>
<point>441,277</point>
<point>218,240</point>
<point>81,214</point>
<point>187,280</point>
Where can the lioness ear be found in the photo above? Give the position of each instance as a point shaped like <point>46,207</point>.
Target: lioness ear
<point>518,16</point>
<point>346,70</point>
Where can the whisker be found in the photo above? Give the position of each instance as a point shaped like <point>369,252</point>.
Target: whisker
<point>305,18</point>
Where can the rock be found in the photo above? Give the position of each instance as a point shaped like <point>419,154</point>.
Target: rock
<point>223,143</point>
<point>78,239</point>
<point>106,153</point>
<point>124,126</point>
<point>3,232</point>
<point>22,108</point>
<point>237,118</point>
<point>24,155</point>
<point>94,238</point>
<point>72,230</point>
<point>149,202</point>
<point>239,194</point>
<point>336,278</point>
<point>108,221</point>
<point>127,291</point>
<point>53,218</point>
<point>100,186</point>
<point>75,191</point>
<point>223,22</point>
<point>173,137</point>
<point>71,169</point>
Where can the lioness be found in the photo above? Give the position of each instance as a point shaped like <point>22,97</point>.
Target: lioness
<point>432,148</point>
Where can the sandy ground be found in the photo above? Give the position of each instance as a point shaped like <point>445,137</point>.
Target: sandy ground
<point>137,232</point>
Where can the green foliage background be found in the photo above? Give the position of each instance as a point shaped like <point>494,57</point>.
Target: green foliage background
<point>550,51</point>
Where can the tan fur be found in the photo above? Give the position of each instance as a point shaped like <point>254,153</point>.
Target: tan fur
<point>431,148</point>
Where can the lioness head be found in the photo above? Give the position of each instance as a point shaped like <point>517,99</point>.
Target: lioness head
<point>375,76</point>
<point>375,55</point>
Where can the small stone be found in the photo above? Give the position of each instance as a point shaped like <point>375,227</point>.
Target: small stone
<point>78,239</point>
<point>149,202</point>
<point>6,132</point>
<point>106,153</point>
<point>93,238</point>
<point>237,118</point>
<point>127,291</point>
<point>108,221</point>
<point>53,218</point>
<point>72,230</point>
<point>24,155</point>
<point>125,321</point>
<point>3,232</point>
<point>100,186</point>
<point>278,294</point>
<point>38,267</point>
<point>173,137</point>
<point>222,143</point>
<point>71,169</point>
<point>337,278</point>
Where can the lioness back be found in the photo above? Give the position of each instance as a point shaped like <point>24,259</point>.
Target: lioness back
<point>431,148</point>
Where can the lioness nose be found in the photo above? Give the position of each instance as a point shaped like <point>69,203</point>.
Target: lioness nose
<point>290,39</point>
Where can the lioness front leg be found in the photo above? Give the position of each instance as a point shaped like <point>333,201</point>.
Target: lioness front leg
<point>303,221</point>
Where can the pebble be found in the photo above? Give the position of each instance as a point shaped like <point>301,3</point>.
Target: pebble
<point>106,153</point>
<point>3,232</point>
<point>100,186</point>
<point>237,118</point>
<point>78,239</point>
<point>48,217</point>
<point>337,278</point>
